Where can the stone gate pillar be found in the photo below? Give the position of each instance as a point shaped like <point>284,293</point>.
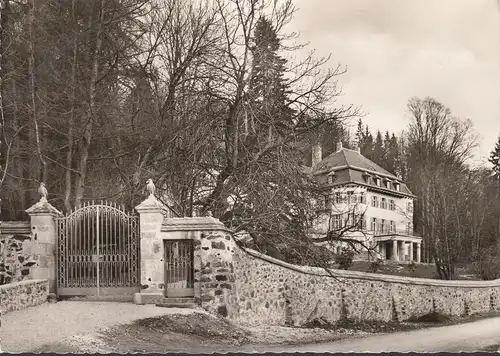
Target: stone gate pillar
<point>151,251</point>
<point>43,229</point>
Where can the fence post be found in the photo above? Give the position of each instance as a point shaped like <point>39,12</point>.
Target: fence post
<point>43,229</point>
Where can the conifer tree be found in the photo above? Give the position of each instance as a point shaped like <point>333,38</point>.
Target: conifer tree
<point>495,159</point>
<point>378,149</point>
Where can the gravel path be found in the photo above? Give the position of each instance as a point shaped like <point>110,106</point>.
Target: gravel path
<point>468,337</point>
<point>33,328</point>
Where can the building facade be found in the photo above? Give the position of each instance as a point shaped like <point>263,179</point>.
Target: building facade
<point>366,203</point>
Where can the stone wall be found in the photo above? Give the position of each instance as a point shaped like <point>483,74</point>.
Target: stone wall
<point>252,288</point>
<point>214,274</point>
<point>18,252</point>
<point>20,295</point>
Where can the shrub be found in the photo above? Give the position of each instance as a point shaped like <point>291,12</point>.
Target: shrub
<point>345,258</point>
<point>375,265</point>
<point>412,266</point>
<point>488,265</point>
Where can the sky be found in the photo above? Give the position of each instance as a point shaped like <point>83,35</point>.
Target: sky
<point>397,49</point>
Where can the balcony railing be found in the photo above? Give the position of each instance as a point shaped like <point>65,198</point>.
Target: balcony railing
<point>388,231</point>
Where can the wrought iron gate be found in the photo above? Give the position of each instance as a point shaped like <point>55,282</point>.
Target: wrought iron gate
<point>98,251</point>
<point>179,274</point>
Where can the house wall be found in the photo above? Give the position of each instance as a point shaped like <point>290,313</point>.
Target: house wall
<point>400,215</point>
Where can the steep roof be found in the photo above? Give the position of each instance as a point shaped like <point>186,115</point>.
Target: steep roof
<point>351,158</point>
<point>350,166</point>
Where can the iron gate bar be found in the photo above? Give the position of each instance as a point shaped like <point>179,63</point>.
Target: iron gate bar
<point>107,233</point>
<point>179,272</point>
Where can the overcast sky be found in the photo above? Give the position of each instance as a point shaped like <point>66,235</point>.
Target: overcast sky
<point>396,49</point>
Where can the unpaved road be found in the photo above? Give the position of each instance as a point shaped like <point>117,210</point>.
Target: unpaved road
<point>48,324</point>
<point>468,337</point>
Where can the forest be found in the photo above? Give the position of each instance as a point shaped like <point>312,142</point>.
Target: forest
<point>211,100</point>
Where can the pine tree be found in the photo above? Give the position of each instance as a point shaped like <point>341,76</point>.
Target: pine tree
<point>392,155</point>
<point>268,85</point>
<point>495,159</point>
<point>360,136</point>
<point>367,147</point>
<point>378,149</point>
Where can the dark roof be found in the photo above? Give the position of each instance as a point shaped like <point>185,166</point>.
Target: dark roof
<point>352,167</point>
<point>346,157</point>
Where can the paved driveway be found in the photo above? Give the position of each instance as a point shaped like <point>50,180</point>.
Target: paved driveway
<point>33,328</point>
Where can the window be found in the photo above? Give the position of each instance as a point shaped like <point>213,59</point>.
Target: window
<point>362,198</point>
<point>351,197</point>
<point>384,203</point>
<point>392,226</point>
<point>327,201</point>
<point>410,207</point>
<point>397,186</point>
<point>330,179</point>
<point>382,227</point>
<point>375,201</point>
<point>337,198</point>
<point>363,222</point>
<point>377,181</point>
<point>337,222</point>
<point>392,205</point>
<point>388,184</point>
<point>409,228</point>
<point>374,224</point>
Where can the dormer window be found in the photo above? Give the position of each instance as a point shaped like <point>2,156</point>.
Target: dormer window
<point>366,177</point>
<point>330,178</point>
<point>388,184</point>
<point>377,181</point>
<point>396,185</point>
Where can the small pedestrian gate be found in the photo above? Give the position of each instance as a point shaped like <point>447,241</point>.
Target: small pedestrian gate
<point>98,251</point>
<point>179,273</point>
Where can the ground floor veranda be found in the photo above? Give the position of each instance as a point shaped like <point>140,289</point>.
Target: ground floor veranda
<point>398,247</point>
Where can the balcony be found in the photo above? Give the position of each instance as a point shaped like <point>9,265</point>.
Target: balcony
<point>386,231</point>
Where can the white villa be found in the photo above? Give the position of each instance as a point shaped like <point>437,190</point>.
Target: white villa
<point>371,204</point>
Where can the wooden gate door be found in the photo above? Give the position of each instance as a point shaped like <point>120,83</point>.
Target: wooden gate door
<point>98,251</point>
<point>179,272</point>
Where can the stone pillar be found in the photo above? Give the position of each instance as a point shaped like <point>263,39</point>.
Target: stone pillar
<point>411,251</point>
<point>395,256</point>
<point>151,252</point>
<point>43,230</point>
<point>418,251</point>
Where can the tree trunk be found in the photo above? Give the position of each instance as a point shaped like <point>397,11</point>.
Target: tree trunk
<point>33,95</point>
<point>87,134</point>
<point>69,154</point>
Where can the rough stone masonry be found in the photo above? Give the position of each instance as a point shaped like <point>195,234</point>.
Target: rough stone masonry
<point>252,288</point>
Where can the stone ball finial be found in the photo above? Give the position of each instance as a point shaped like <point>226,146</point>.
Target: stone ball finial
<point>150,187</point>
<point>209,214</point>
<point>42,191</point>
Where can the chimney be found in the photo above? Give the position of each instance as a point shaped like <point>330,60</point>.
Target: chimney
<point>339,145</point>
<point>316,154</point>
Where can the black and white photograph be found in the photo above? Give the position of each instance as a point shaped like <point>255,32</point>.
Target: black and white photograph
<point>249,176</point>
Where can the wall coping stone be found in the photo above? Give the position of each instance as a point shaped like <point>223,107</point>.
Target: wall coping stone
<point>151,204</point>
<point>43,207</point>
<point>21,283</point>
<point>15,227</point>
<point>193,224</point>
<point>375,276</point>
